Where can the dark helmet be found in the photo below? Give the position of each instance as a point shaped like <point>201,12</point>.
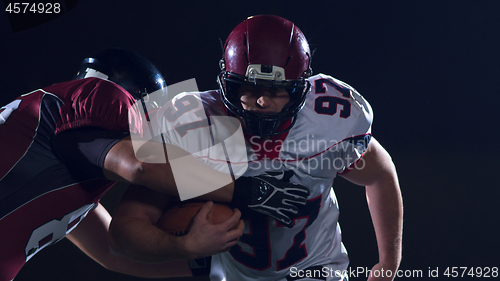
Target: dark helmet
<point>266,51</point>
<point>135,73</point>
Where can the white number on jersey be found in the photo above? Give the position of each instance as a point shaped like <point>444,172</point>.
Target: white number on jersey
<point>55,230</point>
<point>7,110</point>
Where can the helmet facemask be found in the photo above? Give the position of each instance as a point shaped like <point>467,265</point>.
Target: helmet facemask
<point>263,124</point>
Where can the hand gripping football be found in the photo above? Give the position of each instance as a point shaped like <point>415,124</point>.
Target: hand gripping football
<point>177,219</point>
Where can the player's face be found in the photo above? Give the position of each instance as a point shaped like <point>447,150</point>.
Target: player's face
<point>263,99</point>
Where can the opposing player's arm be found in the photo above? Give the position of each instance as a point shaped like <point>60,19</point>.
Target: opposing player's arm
<point>384,201</point>
<point>133,232</point>
<point>121,164</point>
<point>99,153</point>
<point>91,236</point>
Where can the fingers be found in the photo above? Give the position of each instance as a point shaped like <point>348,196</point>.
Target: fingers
<point>232,220</point>
<point>298,190</point>
<point>209,239</point>
<point>282,218</point>
<point>297,195</point>
<point>293,201</point>
<point>288,223</point>
<point>204,210</point>
<point>233,235</point>
<point>241,226</point>
<point>286,220</point>
<point>231,243</point>
<point>293,210</point>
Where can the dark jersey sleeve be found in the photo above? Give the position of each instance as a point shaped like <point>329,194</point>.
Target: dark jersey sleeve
<point>97,103</point>
<point>84,149</point>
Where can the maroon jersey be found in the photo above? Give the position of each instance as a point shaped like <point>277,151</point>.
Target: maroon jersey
<point>41,198</point>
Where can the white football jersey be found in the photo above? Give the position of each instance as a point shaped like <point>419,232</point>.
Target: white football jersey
<point>331,133</point>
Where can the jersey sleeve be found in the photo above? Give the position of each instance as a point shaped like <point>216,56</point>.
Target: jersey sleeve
<point>356,143</point>
<point>85,149</point>
<point>98,103</point>
<point>345,114</point>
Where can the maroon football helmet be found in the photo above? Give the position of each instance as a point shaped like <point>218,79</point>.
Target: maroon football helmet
<point>265,51</point>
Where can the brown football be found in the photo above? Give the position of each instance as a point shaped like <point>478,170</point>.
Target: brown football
<point>178,218</point>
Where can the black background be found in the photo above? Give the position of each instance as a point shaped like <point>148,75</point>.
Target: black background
<point>430,70</point>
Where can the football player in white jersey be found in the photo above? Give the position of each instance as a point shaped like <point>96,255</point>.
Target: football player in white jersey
<point>300,130</point>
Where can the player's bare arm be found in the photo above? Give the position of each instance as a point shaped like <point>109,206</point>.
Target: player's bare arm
<point>384,201</point>
<point>91,237</point>
<point>133,232</point>
<point>121,164</point>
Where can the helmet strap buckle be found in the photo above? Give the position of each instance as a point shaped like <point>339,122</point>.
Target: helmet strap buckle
<point>265,72</point>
